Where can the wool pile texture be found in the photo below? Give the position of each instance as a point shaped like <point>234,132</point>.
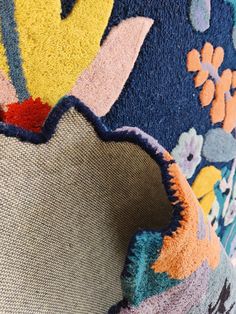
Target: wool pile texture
<point>118,154</point>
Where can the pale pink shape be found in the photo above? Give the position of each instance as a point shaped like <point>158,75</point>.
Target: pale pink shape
<point>7,91</point>
<point>101,83</point>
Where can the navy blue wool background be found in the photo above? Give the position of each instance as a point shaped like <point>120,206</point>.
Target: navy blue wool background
<point>159,96</point>
<point>160,92</point>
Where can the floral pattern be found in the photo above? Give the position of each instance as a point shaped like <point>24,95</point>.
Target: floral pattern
<point>223,220</point>
<point>214,185</point>
<point>216,192</point>
<point>187,153</point>
<point>216,88</point>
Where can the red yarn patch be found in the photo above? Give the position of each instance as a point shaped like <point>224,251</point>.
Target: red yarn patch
<point>30,114</point>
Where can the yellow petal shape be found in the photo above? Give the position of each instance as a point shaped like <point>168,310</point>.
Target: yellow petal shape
<point>3,60</point>
<point>55,51</point>
<point>207,201</point>
<point>205,181</point>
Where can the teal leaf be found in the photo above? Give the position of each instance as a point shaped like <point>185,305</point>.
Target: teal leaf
<point>233,3</point>
<point>139,281</point>
<point>200,14</point>
<point>219,146</point>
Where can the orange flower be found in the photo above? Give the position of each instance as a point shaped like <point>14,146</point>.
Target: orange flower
<point>215,88</point>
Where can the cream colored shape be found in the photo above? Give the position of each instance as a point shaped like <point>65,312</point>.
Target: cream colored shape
<point>101,84</point>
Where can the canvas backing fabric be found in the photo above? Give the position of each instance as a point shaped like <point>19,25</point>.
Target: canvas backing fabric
<point>68,211</point>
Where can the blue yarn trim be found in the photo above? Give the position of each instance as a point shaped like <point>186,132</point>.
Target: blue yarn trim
<point>106,135</point>
<point>117,308</point>
<point>11,44</point>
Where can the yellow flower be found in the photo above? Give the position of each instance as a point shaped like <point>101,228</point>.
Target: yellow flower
<point>203,187</point>
<point>55,51</point>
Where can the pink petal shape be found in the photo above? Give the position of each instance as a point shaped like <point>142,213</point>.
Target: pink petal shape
<point>100,85</point>
<point>7,91</point>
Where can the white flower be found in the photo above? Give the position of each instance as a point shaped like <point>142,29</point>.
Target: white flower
<point>187,153</point>
<point>230,213</point>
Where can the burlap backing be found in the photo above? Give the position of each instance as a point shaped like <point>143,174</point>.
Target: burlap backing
<point>68,210</point>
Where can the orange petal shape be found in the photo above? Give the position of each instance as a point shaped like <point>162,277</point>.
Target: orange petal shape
<point>234,79</point>
<point>201,78</point>
<point>218,110</point>
<point>207,53</point>
<point>207,93</point>
<point>193,61</point>
<point>218,105</point>
<point>230,115</point>
<point>218,57</point>
<point>225,80</point>
<point>178,256</point>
